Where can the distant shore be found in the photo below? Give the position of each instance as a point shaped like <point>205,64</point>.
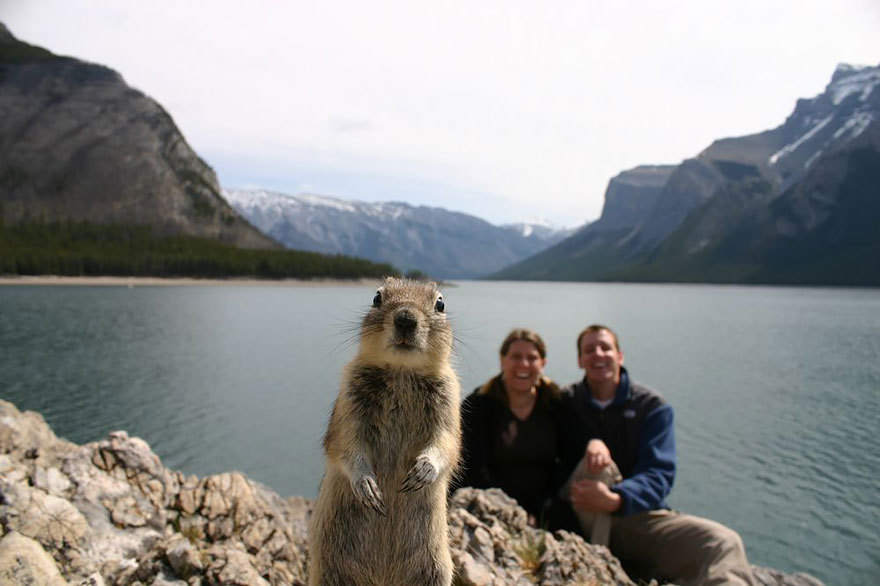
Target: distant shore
<point>178,282</point>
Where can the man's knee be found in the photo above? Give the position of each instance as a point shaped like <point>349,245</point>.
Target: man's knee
<point>719,553</point>
<point>727,563</point>
<point>727,542</point>
<point>707,540</point>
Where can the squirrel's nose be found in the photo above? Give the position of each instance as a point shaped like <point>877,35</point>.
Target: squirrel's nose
<point>405,321</point>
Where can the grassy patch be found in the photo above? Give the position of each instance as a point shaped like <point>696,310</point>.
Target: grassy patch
<point>530,549</point>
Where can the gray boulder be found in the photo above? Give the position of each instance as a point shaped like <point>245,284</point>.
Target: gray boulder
<point>109,513</point>
<point>23,561</point>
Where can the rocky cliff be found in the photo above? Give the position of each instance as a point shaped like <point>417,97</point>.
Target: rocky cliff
<point>615,237</point>
<point>793,205</point>
<point>631,195</point>
<point>79,144</point>
<point>109,512</point>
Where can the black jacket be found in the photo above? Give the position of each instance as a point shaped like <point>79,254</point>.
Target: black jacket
<point>530,467</point>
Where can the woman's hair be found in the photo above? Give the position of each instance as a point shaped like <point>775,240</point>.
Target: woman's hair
<point>527,336</point>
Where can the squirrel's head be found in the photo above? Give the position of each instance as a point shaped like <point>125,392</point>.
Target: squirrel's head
<point>406,326</point>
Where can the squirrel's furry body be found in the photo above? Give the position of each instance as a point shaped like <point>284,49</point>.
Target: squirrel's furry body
<point>391,446</point>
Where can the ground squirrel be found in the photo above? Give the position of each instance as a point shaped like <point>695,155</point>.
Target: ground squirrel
<point>391,446</point>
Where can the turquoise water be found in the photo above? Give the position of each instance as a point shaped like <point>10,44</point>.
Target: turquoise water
<point>776,390</point>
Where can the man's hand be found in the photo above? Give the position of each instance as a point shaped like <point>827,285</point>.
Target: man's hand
<point>597,456</point>
<point>594,496</point>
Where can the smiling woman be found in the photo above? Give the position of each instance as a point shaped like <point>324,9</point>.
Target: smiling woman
<point>513,436</point>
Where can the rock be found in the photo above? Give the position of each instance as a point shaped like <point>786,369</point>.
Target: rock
<point>131,460</point>
<point>110,514</point>
<point>26,436</point>
<point>189,498</point>
<point>771,577</point>
<point>163,579</point>
<point>52,521</point>
<point>471,573</point>
<point>52,481</point>
<point>183,557</point>
<point>569,559</point>
<point>233,567</point>
<point>23,561</point>
<point>492,543</point>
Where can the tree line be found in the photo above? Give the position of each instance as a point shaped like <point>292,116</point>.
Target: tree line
<point>83,249</point>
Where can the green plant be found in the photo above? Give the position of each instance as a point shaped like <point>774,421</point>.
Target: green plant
<point>530,548</point>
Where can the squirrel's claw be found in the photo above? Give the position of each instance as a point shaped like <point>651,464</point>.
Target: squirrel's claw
<point>367,492</point>
<point>421,474</point>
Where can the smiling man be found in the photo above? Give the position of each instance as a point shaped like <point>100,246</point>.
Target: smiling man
<point>627,429</point>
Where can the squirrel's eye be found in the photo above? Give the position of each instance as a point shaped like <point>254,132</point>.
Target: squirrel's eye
<point>377,300</point>
<point>439,305</point>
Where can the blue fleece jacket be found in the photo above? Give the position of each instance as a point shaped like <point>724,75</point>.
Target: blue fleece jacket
<point>638,429</point>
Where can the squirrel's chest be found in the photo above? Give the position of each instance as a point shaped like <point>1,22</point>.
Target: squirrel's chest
<point>397,405</point>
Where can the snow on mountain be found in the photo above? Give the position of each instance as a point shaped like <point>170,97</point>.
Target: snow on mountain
<point>541,229</point>
<point>441,243</point>
<point>849,79</point>
<point>789,148</point>
<point>849,104</point>
<point>792,204</point>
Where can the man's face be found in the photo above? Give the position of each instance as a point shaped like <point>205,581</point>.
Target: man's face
<point>600,357</point>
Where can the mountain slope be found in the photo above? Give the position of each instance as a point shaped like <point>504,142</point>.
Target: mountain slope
<point>79,144</point>
<point>436,241</point>
<point>795,204</point>
<point>599,247</point>
<point>824,229</point>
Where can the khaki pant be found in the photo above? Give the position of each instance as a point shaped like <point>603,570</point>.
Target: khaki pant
<point>689,550</point>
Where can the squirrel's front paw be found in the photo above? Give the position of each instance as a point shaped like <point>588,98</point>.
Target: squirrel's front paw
<point>422,473</point>
<point>367,492</point>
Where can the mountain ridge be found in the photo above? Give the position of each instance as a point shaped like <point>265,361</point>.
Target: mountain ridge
<point>433,240</point>
<point>751,188</point>
<point>82,145</point>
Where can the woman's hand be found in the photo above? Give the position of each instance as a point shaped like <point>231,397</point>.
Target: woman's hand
<point>597,456</point>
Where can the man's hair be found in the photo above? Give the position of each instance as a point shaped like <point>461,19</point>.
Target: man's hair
<point>596,328</point>
<point>527,336</point>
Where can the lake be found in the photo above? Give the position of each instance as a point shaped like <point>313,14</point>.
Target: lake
<point>776,390</point>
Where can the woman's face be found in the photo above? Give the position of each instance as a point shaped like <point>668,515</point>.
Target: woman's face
<point>521,367</point>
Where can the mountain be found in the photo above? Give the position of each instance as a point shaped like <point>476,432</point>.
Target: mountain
<point>630,196</point>
<point>822,230</point>
<point>78,144</point>
<point>540,231</point>
<point>797,204</point>
<point>441,243</point>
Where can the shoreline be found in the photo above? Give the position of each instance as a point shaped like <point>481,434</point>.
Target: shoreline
<point>131,282</point>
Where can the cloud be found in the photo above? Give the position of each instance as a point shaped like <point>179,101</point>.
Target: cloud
<point>531,106</point>
<point>344,126</point>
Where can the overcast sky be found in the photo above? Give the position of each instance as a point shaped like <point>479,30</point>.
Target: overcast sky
<point>507,110</point>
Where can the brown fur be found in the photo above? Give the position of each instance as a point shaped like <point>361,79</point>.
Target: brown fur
<point>391,446</point>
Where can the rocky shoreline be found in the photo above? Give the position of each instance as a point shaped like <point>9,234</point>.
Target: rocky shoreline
<point>109,513</point>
